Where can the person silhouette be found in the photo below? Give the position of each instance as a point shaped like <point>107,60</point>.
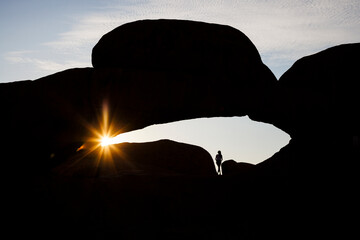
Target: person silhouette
<point>218,160</point>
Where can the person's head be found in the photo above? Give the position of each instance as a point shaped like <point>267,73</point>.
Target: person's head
<point>219,152</point>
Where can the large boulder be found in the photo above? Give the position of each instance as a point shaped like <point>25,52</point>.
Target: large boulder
<point>209,69</point>
<point>180,45</point>
<point>44,117</point>
<point>325,87</point>
<point>160,158</point>
<point>316,102</point>
<point>317,94</point>
<point>231,167</point>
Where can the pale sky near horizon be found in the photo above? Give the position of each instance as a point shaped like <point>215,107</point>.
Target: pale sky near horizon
<point>41,37</point>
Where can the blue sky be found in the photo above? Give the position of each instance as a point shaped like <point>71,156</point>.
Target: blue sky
<point>41,37</point>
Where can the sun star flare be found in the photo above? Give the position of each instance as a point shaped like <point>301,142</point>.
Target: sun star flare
<point>106,141</point>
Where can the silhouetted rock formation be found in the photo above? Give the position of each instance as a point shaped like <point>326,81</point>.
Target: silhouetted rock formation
<point>56,111</point>
<point>186,46</point>
<point>45,116</point>
<point>159,71</point>
<point>315,102</point>
<point>230,167</point>
<point>322,93</point>
<point>181,70</point>
<point>160,158</point>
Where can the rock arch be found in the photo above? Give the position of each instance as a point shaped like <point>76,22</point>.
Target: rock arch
<point>148,72</point>
<point>56,112</point>
<point>158,71</point>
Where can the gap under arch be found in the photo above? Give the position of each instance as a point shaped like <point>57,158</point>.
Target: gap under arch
<point>239,138</point>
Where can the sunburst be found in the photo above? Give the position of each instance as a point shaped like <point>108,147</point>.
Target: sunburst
<point>102,141</point>
<point>106,141</point>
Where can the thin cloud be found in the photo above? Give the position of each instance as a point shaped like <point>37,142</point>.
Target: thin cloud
<point>17,56</point>
<point>21,57</point>
<point>53,66</point>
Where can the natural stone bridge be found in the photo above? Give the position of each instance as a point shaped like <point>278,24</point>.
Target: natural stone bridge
<point>158,71</point>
